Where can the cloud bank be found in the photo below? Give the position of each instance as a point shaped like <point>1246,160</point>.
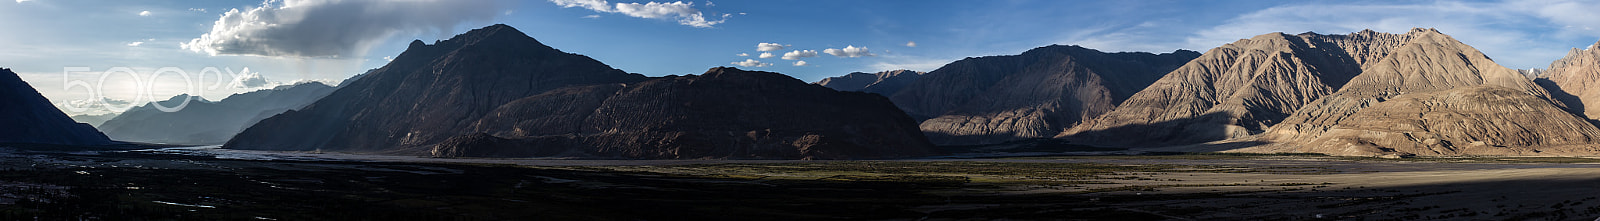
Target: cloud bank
<point>331,28</point>
<point>683,12</point>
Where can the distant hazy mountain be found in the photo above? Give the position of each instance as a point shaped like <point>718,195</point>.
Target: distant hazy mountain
<point>1432,95</point>
<point>885,83</point>
<point>27,117</point>
<point>1036,94</point>
<point>204,122</point>
<point>496,92</point>
<point>94,120</point>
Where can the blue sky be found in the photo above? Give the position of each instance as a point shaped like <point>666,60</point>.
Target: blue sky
<point>282,42</point>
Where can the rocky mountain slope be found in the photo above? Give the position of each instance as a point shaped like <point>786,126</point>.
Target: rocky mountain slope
<point>1575,81</point>
<point>725,113</point>
<point>427,94</point>
<point>1432,96</point>
<point>27,117</point>
<point>1036,94</point>
<point>203,122</point>
<point>1238,89</point>
<point>885,83</point>
<point>495,92</point>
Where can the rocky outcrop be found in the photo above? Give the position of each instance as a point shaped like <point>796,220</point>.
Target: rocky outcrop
<point>1238,89</point>
<point>27,117</point>
<point>1431,96</point>
<point>1036,94</point>
<point>429,93</point>
<point>885,83</point>
<point>726,113</point>
<point>1575,81</point>
<point>203,122</point>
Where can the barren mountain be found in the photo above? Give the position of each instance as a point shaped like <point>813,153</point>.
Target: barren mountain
<point>1036,94</point>
<point>203,122</point>
<point>885,83</point>
<point>1432,96</point>
<point>495,92</point>
<point>1238,89</point>
<point>27,117</point>
<point>726,113</point>
<point>427,94</point>
<point>1575,80</point>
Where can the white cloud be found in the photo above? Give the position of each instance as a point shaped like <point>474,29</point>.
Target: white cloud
<point>769,47</point>
<point>751,63</point>
<point>248,79</point>
<point>849,51</point>
<point>21,1</point>
<point>911,44</point>
<point>135,44</point>
<point>743,54</point>
<point>683,12</point>
<point>801,63</point>
<point>796,55</point>
<point>92,105</point>
<point>388,58</point>
<point>144,13</point>
<point>201,10</point>
<point>1516,33</point>
<point>591,16</point>
<point>331,28</point>
<point>767,55</point>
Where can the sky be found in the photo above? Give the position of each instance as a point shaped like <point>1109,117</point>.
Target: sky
<point>96,57</point>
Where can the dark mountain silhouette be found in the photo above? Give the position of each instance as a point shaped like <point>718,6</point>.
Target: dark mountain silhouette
<point>725,113</point>
<point>203,122</point>
<point>27,117</point>
<point>885,83</point>
<point>495,92</point>
<point>1036,94</point>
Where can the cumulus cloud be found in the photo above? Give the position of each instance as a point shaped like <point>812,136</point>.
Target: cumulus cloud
<point>591,16</point>
<point>751,63</point>
<point>743,54</point>
<point>767,55</point>
<point>135,44</point>
<point>201,10</point>
<point>849,52</point>
<point>798,54</point>
<point>911,44</point>
<point>801,63</point>
<point>248,79</point>
<point>144,13</point>
<point>769,47</point>
<point>331,28</point>
<point>683,12</point>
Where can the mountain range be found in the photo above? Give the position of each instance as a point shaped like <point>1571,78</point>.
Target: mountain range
<point>27,117</point>
<point>494,91</point>
<point>203,122</point>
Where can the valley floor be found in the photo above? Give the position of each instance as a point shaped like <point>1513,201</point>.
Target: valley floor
<point>208,184</point>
